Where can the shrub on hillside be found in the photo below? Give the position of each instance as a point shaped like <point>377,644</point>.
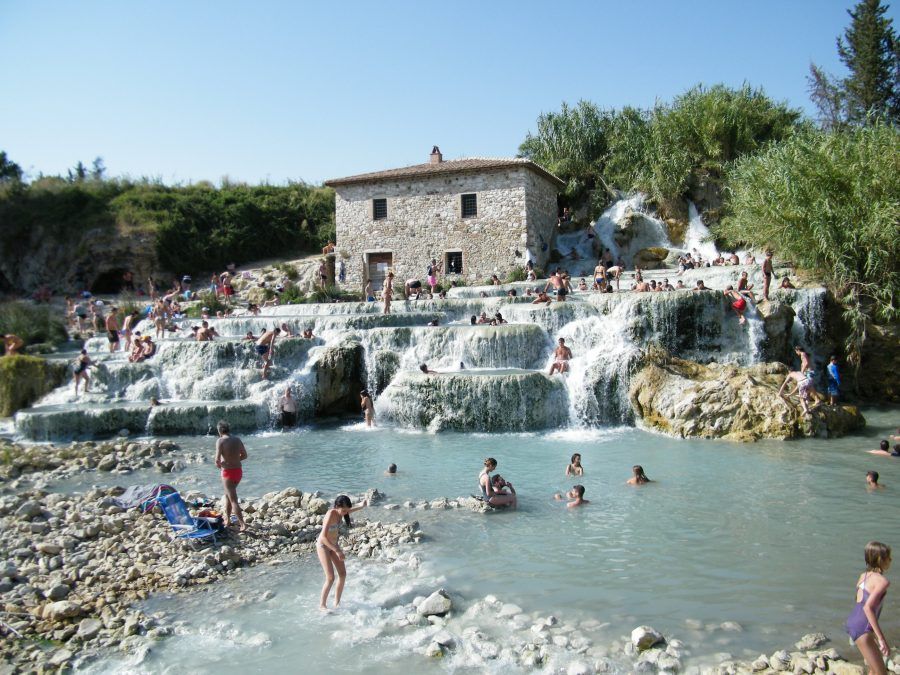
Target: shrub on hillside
<point>33,323</point>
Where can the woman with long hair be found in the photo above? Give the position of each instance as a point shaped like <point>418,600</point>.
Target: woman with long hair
<point>330,554</point>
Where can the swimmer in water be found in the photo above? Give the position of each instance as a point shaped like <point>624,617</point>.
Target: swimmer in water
<point>872,481</point>
<point>639,477</point>
<point>576,494</point>
<point>574,467</point>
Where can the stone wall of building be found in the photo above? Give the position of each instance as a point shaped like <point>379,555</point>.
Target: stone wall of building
<point>424,221</point>
<point>542,212</point>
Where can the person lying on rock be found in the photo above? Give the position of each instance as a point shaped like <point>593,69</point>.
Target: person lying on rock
<point>425,369</point>
<point>542,298</point>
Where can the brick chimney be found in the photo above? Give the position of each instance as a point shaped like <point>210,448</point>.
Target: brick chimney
<point>436,156</point>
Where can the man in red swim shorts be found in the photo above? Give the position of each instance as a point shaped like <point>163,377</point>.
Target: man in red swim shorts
<point>738,303</point>
<point>230,452</point>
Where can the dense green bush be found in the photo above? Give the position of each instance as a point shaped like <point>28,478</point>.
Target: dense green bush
<point>829,202</point>
<point>202,228</point>
<point>195,227</point>
<point>24,379</point>
<point>33,323</point>
<point>661,151</point>
<point>704,129</point>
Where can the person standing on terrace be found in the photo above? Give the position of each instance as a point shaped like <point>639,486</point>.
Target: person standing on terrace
<point>768,271</point>
<point>112,329</point>
<point>388,292</point>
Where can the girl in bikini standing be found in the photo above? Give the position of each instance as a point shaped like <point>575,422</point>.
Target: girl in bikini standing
<point>330,554</point>
<point>862,624</point>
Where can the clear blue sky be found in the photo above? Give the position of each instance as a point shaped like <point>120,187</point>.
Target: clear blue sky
<point>190,90</point>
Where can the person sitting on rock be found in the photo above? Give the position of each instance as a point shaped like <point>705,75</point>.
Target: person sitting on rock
<point>786,284</point>
<point>12,343</point>
<point>582,285</point>
<point>561,356</point>
<point>542,298</point>
<point>745,287</point>
<point>486,485</point>
<point>576,494</point>
<point>498,317</point>
<point>205,333</point>
<point>680,285</point>
<point>483,318</point>
<point>308,333</point>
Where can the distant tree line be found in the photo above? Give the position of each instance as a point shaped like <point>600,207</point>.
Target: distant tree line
<point>196,227</point>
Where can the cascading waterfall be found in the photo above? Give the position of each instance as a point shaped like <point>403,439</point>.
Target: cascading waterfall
<point>698,238</point>
<point>503,384</point>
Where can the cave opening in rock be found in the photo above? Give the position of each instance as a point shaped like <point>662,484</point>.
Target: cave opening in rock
<point>110,281</point>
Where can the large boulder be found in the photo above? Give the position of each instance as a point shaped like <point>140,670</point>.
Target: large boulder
<point>880,364</point>
<point>436,604</point>
<point>778,319</point>
<point>339,378</point>
<point>688,399</point>
<point>652,258</point>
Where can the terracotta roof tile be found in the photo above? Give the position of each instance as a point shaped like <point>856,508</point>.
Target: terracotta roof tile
<point>472,164</point>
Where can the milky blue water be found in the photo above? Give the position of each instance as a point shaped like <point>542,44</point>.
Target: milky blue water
<point>769,535</point>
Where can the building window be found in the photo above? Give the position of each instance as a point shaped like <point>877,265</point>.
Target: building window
<point>379,209</point>
<point>469,206</point>
<point>453,262</point>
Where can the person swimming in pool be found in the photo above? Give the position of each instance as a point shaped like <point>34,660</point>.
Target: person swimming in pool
<point>638,477</point>
<point>576,494</point>
<point>574,467</point>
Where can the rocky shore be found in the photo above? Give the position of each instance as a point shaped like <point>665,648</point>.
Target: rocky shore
<point>73,566</point>
<point>23,466</point>
<point>531,641</point>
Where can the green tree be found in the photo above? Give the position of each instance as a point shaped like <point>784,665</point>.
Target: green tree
<point>10,172</point>
<point>98,169</point>
<point>870,50</point>
<point>830,202</point>
<point>78,173</point>
<point>571,144</point>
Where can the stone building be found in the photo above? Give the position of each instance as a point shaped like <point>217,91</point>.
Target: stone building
<point>476,216</point>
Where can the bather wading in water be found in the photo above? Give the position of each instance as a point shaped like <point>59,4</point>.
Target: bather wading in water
<point>330,554</point>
